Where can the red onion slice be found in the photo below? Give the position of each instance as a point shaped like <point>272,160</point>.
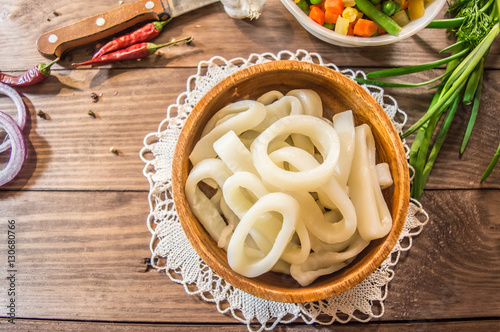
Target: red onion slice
<point>21,110</point>
<point>18,149</point>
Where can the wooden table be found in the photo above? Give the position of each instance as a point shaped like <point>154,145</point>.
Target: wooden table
<point>82,245</point>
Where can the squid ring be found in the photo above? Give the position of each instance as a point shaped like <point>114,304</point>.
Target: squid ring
<point>239,258</point>
<point>320,132</point>
<point>320,226</point>
<point>202,207</point>
<point>374,217</point>
<point>250,114</point>
<point>268,226</point>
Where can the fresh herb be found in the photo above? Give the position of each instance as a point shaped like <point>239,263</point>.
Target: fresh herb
<point>475,24</point>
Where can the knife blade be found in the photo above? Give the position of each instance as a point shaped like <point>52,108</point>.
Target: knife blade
<point>91,29</point>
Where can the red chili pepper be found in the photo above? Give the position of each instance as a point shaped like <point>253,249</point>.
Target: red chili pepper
<point>144,34</point>
<point>136,51</point>
<point>33,76</point>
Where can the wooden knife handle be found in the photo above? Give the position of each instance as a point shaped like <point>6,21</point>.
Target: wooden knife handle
<point>56,42</point>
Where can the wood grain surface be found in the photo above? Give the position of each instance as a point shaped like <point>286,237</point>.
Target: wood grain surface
<point>80,210</point>
<point>82,256</point>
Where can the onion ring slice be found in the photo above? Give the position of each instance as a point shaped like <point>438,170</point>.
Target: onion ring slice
<point>21,111</point>
<point>18,149</point>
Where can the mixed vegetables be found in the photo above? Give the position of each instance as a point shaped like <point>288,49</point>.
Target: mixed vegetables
<point>365,18</point>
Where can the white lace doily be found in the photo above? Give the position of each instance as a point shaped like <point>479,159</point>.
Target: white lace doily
<point>172,252</point>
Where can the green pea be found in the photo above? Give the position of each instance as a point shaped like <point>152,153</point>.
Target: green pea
<point>304,6</point>
<point>330,26</point>
<point>397,7</point>
<point>388,8</point>
<point>316,2</point>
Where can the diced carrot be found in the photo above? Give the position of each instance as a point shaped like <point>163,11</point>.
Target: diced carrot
<point>331,17</point>
<point>381,30</point>
<point>365,28</point>
<point>335,6</point>
<point>317,15</point>
<point>350,29</point>
<point>404,6</point>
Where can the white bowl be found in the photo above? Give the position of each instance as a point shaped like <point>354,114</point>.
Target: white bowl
<point>329,36</point>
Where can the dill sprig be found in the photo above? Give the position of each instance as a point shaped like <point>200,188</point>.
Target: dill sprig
<point>476,23</point>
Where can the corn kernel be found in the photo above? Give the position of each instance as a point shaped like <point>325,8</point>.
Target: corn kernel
<point>342,26</point>
<point>350,14</point>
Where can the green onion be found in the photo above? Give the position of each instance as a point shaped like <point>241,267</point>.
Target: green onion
<point>414,69</point>
<point>473,83</point>
<point>462,71</point>
<point>492,164</point>
<point>473,115</point>
<point>453,46</point>
<point>400,85</point>
<point>419,164</point>
<point>446,23</point>
<point>470,62</point>
<point>438,144</point>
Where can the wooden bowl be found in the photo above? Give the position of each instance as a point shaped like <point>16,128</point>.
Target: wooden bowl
<point>338,94</point>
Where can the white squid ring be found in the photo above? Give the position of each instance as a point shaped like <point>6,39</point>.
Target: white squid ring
<point>320,132</point>
<point>239,258</point>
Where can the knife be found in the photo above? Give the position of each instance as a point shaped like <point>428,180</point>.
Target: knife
<point>56,42</point>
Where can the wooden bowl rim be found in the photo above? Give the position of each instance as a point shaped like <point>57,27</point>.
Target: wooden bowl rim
<point>254,286</point>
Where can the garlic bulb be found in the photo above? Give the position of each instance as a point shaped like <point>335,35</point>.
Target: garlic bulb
<point>243,8</point>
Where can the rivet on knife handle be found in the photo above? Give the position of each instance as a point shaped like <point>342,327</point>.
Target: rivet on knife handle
<point>100,26</point>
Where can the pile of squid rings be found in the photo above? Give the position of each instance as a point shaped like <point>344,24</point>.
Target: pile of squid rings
<point>295,192</point>
<point>14,139</point>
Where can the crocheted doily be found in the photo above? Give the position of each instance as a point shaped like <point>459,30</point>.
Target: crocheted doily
<point>172,252</point>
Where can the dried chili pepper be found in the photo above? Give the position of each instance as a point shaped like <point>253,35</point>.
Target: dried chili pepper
<point>33,76</point>
<point>144,34</point>
<point>137,51</point>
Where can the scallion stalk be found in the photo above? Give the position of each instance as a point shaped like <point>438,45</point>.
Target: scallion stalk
<point>459,75</point>
<point>446,23</point>
<point>438,144</point>
<point>473,115</point>
<point>492,165</point>
<point>473,83</point>
<point>414,69</point>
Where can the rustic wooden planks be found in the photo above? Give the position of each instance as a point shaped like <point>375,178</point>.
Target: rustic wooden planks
<point>81,257</point>
<point>40,325</point>
<point>70,150</point>
<point>216,34</point>
<point>81,211</point>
